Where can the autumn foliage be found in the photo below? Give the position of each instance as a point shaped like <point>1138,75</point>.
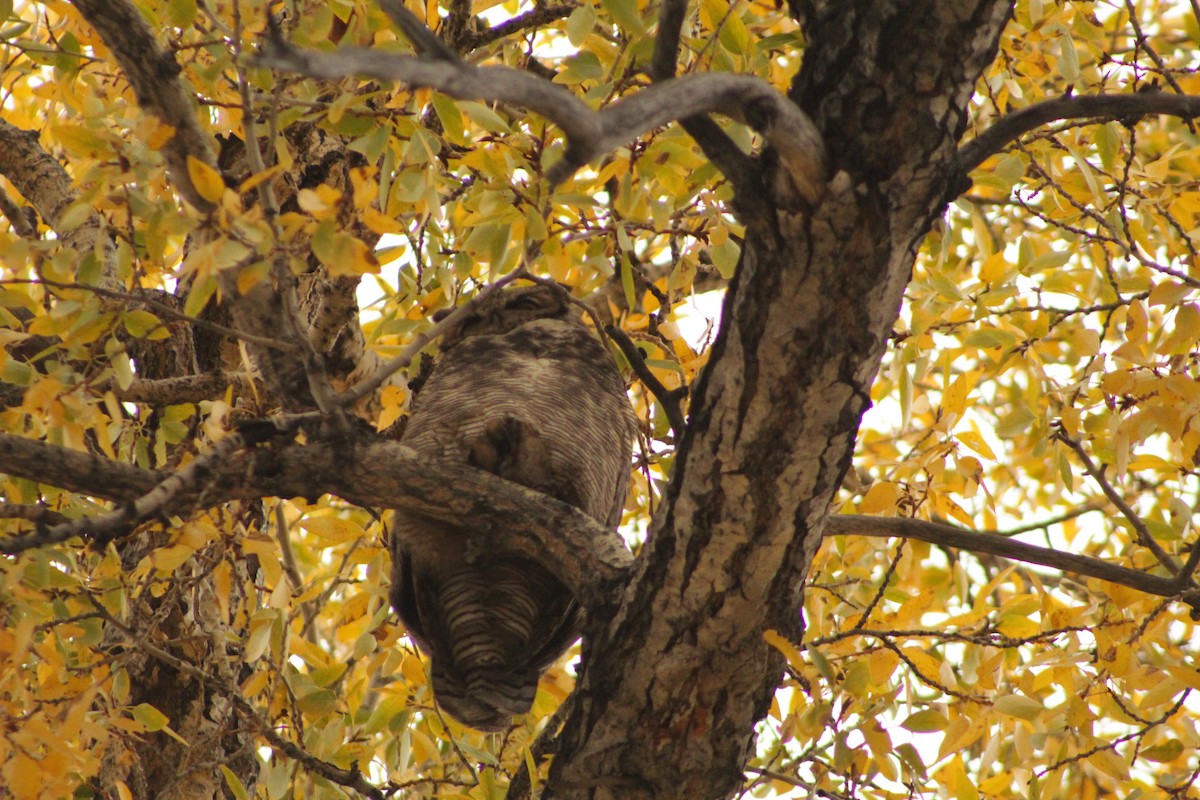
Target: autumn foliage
<point>1041,381</point>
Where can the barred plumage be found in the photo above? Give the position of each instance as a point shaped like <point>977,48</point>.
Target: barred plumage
<point>525,391</point>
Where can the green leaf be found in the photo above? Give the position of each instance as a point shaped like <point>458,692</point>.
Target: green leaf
<point>141,324</point>
<point>928,721</point>
<point>626,14</point>
<point>1167,751</point>
<point>1020,706</point>
<point>151,718</point>
<point>580,24</point>
<point>318,702</point>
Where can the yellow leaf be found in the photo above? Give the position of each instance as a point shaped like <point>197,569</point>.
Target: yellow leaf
<point>882,665</point>
<point>168,559</point>
<point>1110,764</point>
<point>258,178</point>
<point>954,777</point>
<point>235,785</point>
<point>391,400</point>
<point>149,716</point>
<point>976,442</point>
<point>24,777</point>
<point>1163,753</point>
<point>160,135</point>
<point>206,180</point>
<point>881,498</point>
<point>341,253</point>
<point>928,721</point>
<point>1168,293</point>
<point>954,399</point>
<point>333,530</point>
<point>1185,674</point>
<point>1017,626</point>
<point>789,650</point>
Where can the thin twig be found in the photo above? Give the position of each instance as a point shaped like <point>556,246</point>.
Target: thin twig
<point>667,398</point>
<point>1097,474</point>
<point>350,778</point>
<point>421,341</point>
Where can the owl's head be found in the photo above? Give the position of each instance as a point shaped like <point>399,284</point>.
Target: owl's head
<point>507,310</point>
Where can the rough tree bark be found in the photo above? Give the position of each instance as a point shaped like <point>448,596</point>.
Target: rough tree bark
<point>677,671</point>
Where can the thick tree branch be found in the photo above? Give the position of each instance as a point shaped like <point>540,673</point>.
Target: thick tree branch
<point>360,468</point>
<point>184,389</point>
<point>155,77</point>
<point>671,14</point>
<point>44,183</point>
<point>590,134</point>
<point>1103,107</point>
<point>376,473</point>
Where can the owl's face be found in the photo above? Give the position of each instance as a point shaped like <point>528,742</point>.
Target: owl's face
<point>509,309</point>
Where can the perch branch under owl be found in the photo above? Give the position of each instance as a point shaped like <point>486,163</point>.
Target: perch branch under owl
<point>590,134</point>
<point>368,471</point>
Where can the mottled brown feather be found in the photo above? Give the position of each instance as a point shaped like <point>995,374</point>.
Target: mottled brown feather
<point>523,390</point>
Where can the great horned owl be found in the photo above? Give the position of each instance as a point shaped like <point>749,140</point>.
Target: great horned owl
<point>523,390</point>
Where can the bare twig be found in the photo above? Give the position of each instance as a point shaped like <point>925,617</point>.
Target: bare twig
<point>421,341</point>
<point>1101,106</point>
<point>533,18</point>
<point>1079,511</point>
<point>667,398</point>
<point>1097,474</point>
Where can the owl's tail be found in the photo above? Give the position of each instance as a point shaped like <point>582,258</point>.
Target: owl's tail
<point>506,624</point>
<point>485,701</point>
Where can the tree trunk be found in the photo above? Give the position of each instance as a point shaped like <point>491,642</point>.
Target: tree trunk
<point>678,674</point>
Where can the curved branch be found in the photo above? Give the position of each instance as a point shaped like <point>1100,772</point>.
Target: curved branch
<point>741,170</point>
<point>590,134</point>
<point>1102,106</point>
